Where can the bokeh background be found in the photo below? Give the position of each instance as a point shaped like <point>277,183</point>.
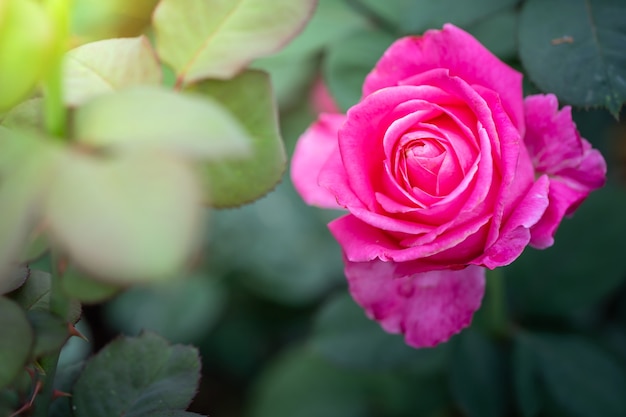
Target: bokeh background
<point>267,303</point>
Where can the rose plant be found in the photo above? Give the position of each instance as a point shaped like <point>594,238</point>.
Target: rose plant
<point>445,171</point>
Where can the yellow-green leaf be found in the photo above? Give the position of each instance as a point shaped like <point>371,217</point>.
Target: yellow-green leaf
<point>131,218</point>
<point>26,40</point>
<point>108,65</point>
<point>216,39</point>
<point>150,117</point>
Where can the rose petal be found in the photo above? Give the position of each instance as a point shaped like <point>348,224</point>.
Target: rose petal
<point>556,148</point>
<point>428,308</point>
<point>515,233</point>
<point>456,50</point>
<point>312,151</point>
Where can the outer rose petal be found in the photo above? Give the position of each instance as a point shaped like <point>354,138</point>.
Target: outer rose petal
<point>456,50</point>
<point>312,151</point>
<point>556,149</point>
<point>428,308</point>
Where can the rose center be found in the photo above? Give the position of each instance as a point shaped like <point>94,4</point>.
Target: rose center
<point>422,161</point>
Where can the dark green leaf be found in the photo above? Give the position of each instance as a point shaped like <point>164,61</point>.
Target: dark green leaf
<point>580,377</point>
<point>174,413</point>
<point>477,376</point>
<point>236,182</point>
<point>345,336</point>
<point>301,384</point>
<point>16,339</point>
<point>138,377</point>
<point>575,49</point>
<point>51,332</point>
<point>349,61</point>
<point>584,265</point>
<point>34,295</point>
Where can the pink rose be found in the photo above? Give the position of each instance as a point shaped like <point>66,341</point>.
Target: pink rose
<point>444,169</point>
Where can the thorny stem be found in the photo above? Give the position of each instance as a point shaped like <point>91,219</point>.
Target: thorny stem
<point>59,305</point>
<point>55,122</point>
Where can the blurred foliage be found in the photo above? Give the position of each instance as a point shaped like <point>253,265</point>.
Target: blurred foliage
<point>269,310</point>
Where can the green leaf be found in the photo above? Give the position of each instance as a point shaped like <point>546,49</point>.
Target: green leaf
<point>300,384</point>
<point>348,61</point>
<point>526,380</point>
<point>201,39</point>
<point>34,295</point>
<point>51,332</point>
<point>575,49</point>
<point>16,339</point>
<point>108,65</point>
<point>249,98</point>
<point>345,336</point>
<point>182,311</point>
<point>94,20</point>
<point>477,376</point>
<point>85,289</point>
<point>150,117</point>
<point>593,251</point>
<point>137,376</point>
<point>13,279</point>
<point>580,377</point>
<point>128,219</point>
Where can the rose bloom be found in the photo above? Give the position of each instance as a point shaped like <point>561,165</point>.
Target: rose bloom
<point>445,170</point>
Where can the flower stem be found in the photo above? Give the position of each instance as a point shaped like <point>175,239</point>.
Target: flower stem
<point>59,306</point>
<point>55,114</point>
<point>497,316</point>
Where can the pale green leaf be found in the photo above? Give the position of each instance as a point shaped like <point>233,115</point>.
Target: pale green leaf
<point>125,219</point>
<point>27,114</point>
<point>109,65</point>
<point>150,117</point>
<point>248,97</point>
<point>25,167</point>
<point>216,39</point>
